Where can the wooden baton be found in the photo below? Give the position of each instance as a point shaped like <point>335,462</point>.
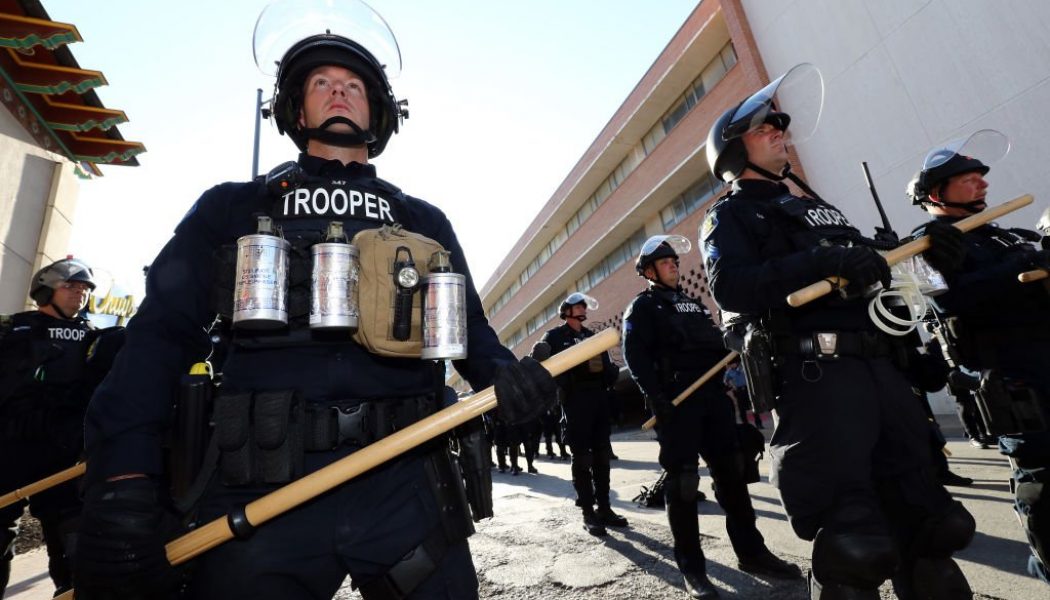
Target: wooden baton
<point>1034,275</point>
<point>905,251</point>
<point>46,483</point>
<point>288,497</point>
<point>696,385</point>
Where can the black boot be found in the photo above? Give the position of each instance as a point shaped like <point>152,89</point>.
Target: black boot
<point>592,523</point>
<point>609,518</point>
<point>533,469</point>
<point>949,478</point>
<point>768,564</point>
<point>699,586</point>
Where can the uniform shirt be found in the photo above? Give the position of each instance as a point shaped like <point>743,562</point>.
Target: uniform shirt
<point>41,359</point>
<point>759,244</point>
<point>131,410</point>
<point>985,291</point>
<point>664,332</point>
<point>586,375</point>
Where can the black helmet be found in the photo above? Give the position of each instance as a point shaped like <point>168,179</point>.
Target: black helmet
<point>660,246</point>
<point>972,154</point>
<point>327,32</point>
<point>576,298</point>
<point>47,279</point>
<point>929,179</point>
<point>725,151</point>
<point>803,83</point>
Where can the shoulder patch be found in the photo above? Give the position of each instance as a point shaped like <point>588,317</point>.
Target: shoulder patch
<point>709,224</point>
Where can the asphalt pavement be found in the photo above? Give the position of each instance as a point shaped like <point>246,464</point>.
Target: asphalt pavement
<point>535,547</point>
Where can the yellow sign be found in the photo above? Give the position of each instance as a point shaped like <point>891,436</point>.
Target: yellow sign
<point>121,307</point>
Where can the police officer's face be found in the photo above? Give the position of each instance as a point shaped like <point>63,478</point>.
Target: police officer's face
<point>332,91</point>
<point>577,315</point>
<point>665,271</point>
<point>766,147</point>
<point>968,188</point>
<point>71,297</point>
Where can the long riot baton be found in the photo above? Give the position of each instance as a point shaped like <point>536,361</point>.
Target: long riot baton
<point>906,251</point>
<point>695,386</point>
<point>263,509</point>
<point>46,483</point>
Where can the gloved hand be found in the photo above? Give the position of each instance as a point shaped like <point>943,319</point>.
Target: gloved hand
<point>947,248</point>
<point>120,547</point>
<point>661,407</point>
<point>1040,259</point>
<point>861,266</point>
<point>524,391</point>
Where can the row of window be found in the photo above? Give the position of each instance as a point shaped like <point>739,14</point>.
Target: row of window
<point>682,206</point>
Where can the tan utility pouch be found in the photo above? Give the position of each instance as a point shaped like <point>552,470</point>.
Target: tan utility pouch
<point>377,289</point>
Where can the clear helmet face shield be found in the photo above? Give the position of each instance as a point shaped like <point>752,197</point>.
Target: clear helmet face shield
<point>678,243</point>
<point>798,93</point>
<point>579,297</point>
<point>986,145</point>
<point>285,23</point>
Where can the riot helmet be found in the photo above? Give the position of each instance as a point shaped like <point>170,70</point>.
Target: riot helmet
<point>972,154</point>
<point>576,298</point>
<point>293,37</point>
<point>802,87</point>
<point>49,278</point>
<point>661,246</point>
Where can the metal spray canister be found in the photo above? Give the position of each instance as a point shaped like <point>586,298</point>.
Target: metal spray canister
<point>260,296</point>
<point>333,288</point>
<point>444,310</point>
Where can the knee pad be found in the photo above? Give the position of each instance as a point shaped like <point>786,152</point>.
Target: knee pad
<point>941,535</point>
<point>940,579</point>
<point>681,487</point>
<point>858,560</point>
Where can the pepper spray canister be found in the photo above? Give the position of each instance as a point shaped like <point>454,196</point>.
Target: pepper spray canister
<point>333,287</point>
<point>260,297</point>
<point>444,310</point>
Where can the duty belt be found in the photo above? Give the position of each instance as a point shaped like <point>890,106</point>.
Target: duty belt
<point>830,345</point>
<point>357,423</point>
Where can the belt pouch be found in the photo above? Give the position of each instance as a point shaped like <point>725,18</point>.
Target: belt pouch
<point>233,430</point>
<point>279,418</point>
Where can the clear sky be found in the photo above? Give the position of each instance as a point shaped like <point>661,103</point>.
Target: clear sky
<point>504,96</point>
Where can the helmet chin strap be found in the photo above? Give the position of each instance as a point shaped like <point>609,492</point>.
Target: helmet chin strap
<point>785,173</point>
<point>971,207</point>
<point>359,137</point>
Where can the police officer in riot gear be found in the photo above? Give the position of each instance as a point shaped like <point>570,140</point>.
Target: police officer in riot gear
<point>43,368</point>
<point>293,401</point>
<point>585,402</point>
<point>669,341</point>
<point>850,452</point>
<point>994,324</point>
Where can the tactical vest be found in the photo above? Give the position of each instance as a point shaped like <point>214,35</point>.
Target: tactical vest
<point>590,374</point>
<point>40,358</point>
<point>691,342</point>
<point>303,214</point>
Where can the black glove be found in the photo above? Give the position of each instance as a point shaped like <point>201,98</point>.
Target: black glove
<point>861,266</point>
<point>947,248</point>
<point>120,548</point>
<point>524,391</point>
<point>661,407</point>
<point>1040,259</point>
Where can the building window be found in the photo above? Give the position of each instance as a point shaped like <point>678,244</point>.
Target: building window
<point>690,200</point>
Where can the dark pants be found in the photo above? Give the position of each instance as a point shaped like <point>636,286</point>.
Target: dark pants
<point>851,433</point>
<point>587,432</point>
<point>362,528</point>
<point>57,509</point>
<point>705,426</point>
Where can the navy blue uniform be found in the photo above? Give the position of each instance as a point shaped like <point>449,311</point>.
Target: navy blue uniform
<point>1004,324</point>
<point>369,524</point>
<point>850,453</point>
<point>585,401</point>
<point>43,367</point>
<point>669,341</point>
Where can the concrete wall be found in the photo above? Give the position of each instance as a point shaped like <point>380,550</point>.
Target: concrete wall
<point>38,192</point>
<point>902,76</point>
